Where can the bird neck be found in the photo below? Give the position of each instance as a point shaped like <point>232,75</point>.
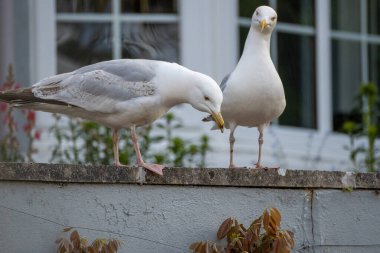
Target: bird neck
<point>256,42</point>
<point>178,91</point>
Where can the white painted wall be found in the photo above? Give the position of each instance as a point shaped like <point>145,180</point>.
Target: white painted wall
<point>328,221</point>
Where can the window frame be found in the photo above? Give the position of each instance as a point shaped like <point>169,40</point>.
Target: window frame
<point>116,18</point>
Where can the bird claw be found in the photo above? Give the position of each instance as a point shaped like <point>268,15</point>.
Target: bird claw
<point>155,168</point>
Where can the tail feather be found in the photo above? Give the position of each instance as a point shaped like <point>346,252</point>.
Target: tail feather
<point>24,96</point>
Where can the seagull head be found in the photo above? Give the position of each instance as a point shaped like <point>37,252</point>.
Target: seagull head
<point>207,97</point>
<point>264,19</point>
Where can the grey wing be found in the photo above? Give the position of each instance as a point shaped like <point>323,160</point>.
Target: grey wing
<point>223,84</point>
<point>98,87</point>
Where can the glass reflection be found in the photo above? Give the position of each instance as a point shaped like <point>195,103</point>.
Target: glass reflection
<point>80,6</point>
<point>80,44</point>
<point>374,64</point>
<point>296,11</point>
<point>296,66</point>
<point>247,7</point>
<point>148,6</point>
<point>373,16</point>
<point>346,78</point>
<point>150,41</point>
<point>345,15</point>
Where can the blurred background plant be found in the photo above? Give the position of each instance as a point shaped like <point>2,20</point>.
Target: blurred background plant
<point>10,146</point>
<point>367,126</point>
<point>84,142</point>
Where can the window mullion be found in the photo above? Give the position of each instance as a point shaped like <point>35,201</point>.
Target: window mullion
<point>116,30</point>
<point>323,64</point>
<point>363,42</point>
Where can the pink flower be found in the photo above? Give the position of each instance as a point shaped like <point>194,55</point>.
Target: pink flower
<point>17,86</point>
<point>37,135</point>
<point>3,106</point>
<point>27,128</point>
<point>31,116</point>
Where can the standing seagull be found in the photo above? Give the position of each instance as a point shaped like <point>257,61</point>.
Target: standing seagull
<point>253,94</point>
<point>122,93</point>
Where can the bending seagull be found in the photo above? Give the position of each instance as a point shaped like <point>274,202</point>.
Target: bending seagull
<point>122,94</point>
<point>253,94</point>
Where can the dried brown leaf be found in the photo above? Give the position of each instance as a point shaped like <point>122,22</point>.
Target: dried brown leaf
<point>61,249</point>
<point>288,239</point>
<point>276,246</point>
<point>276,216</point>
<point>66,245</point>
<point>196,247</point>
<point>96,244</point>
<point>75,239</point>
<point>225,228</point>
<point>90,249</point>
<point>266,219</point>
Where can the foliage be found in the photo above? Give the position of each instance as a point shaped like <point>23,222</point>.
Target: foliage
<point>78,244</point>
<point>367,104</point>
<point>10,150</point>
<point>263,236</point>
<point>89,142</point>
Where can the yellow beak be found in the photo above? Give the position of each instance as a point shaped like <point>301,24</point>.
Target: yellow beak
<point>218,120</point>
<point>263,24</point>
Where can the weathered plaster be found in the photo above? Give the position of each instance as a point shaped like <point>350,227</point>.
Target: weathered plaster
<point>178,211</point>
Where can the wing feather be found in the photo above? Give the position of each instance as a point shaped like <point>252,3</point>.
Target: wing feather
<point>100,87</point>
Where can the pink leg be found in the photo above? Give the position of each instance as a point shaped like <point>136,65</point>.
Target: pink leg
<point>155,168</point>
<point>116,146</point>
<point>261,141</point>
<point>232,142</point>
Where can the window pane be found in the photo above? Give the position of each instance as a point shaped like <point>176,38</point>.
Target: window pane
<point>346,69</point>
<point>149,6</point>
<point>296,11</point>
<point>150,41</point>
<point>374,17</point>
<point>345,15</point>
<point>95,6</point>
<point>374,64</point>
<point>80,44</point>
<point>243,32</point>
<point>296,66</point>
<point>247,7</point>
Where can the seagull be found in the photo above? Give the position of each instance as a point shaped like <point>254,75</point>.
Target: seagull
<point>253,94</point>
<point>125,93</point>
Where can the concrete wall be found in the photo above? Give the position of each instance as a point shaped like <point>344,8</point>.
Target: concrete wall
<point>186,205</point>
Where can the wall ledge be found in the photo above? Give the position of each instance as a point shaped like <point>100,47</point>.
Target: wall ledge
<point>240,177</point>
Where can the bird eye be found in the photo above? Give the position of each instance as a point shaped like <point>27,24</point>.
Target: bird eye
<point>273,18</point>
<point>257,13</point>
<point>207,98</point>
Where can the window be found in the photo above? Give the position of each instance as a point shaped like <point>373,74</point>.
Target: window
<point>90,31</point>
<point>355,52</point>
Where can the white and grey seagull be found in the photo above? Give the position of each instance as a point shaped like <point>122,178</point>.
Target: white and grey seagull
<point>122,94</point>
<point>253,94</point>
